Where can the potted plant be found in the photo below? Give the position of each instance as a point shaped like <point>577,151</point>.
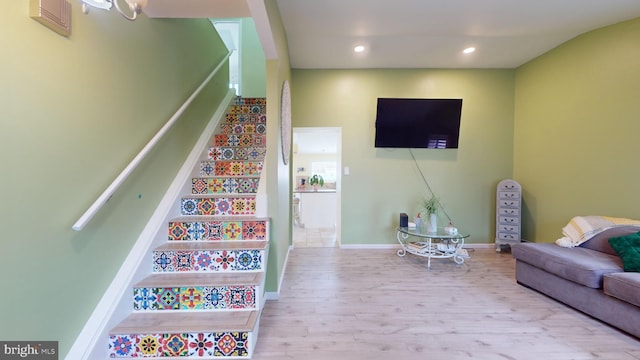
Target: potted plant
<point>316,180</point>
<point>430,209</point>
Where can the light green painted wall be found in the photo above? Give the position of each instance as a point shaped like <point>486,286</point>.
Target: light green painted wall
<point>385,182</point>
<point>253,68</point>
<point>75,111</point>
<point>576,127</point>
<point>278,174</point>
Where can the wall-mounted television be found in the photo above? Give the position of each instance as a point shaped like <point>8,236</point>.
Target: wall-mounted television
<point>418,123</point>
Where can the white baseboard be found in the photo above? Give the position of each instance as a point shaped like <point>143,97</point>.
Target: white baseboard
<point>275,295</point>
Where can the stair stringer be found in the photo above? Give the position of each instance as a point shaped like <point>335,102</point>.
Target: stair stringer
<point>115,304</point>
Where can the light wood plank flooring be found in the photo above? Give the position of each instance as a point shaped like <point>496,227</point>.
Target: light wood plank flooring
<point>371,304</point>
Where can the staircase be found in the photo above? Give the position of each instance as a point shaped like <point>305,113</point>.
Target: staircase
<point>205,294</point>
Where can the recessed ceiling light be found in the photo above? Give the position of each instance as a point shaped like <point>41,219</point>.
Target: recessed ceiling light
<point>358,48</point>
<point>469,50</point>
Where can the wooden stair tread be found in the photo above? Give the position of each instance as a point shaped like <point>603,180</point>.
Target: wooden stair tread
<point>201,279</point>
<point>187,322</point>
<point>214,245</point>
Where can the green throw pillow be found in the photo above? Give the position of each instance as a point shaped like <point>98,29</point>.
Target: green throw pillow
<point>628,248</point>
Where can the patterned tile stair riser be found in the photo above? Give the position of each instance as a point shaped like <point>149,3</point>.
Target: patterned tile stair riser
<point>245,116</point>
<point>217,230</point>
<point>233,119</point>
<point>242,185</point>
<point>230,168</point>
<point>237,153</point>
<point>248,109</point>
<point>195,345</point>
<point>208,260</point>
<point>250,101</point>
<point>246,140</point>
<point>215,258</point>
<point>231,297</point>
<point>230,205</point>
<point>248,127</point>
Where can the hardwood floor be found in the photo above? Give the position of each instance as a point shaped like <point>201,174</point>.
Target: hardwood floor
<point>371,304</point>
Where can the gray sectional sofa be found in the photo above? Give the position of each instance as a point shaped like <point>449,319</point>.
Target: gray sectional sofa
<point>589,277</point>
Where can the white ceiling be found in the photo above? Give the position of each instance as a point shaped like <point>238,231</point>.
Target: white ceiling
<point>433,33</point>
<point>197,9</point>
<point>415,33</point>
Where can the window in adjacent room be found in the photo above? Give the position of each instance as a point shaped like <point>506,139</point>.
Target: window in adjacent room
<point>327,169</point>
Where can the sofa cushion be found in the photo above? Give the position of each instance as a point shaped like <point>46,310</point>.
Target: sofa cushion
<point>600,242</point>
<point>624,286</point>
<point>628,247</point>
<point>580,265</point>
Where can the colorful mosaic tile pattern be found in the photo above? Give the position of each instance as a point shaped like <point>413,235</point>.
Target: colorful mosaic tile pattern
<point>218,206</point>
<point>236,153</point>
<point>206,261</point>
<point>243,128</point>
<point>250,101</point>
<point>248,109</point>
<point>236,297</point>
<point>245,118</point>
<point>217,230</point>
<point>239,140</point>
<point>230,168</point>
<point>223,344</point>
<point>224,185</point>
<point>252,230</point>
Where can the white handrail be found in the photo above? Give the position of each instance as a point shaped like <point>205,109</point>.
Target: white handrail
<point>108,193</point>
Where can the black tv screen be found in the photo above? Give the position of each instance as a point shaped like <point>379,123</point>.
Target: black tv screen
<point>418,123</point>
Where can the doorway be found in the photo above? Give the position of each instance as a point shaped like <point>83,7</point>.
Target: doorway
<point>316,192</point>
<point>229,31</point>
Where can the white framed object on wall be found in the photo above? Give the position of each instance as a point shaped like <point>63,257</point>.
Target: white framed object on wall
<point>285,122</point>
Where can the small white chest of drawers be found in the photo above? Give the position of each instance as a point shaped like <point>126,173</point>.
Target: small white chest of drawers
<point>508,213</point>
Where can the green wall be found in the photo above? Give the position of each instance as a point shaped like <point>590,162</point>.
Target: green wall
<point>75,111</point>
<point>576,127</point>
<point>385,182</point>
<point>253,70</point>
<point>278,174</point>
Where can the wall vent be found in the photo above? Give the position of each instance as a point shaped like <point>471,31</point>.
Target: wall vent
<point>54,14</point>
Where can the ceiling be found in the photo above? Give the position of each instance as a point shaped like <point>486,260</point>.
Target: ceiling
<point>197,9</point>
<point>414,33</point>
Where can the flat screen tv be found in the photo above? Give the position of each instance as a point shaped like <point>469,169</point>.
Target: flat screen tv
<point>418,123</point>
